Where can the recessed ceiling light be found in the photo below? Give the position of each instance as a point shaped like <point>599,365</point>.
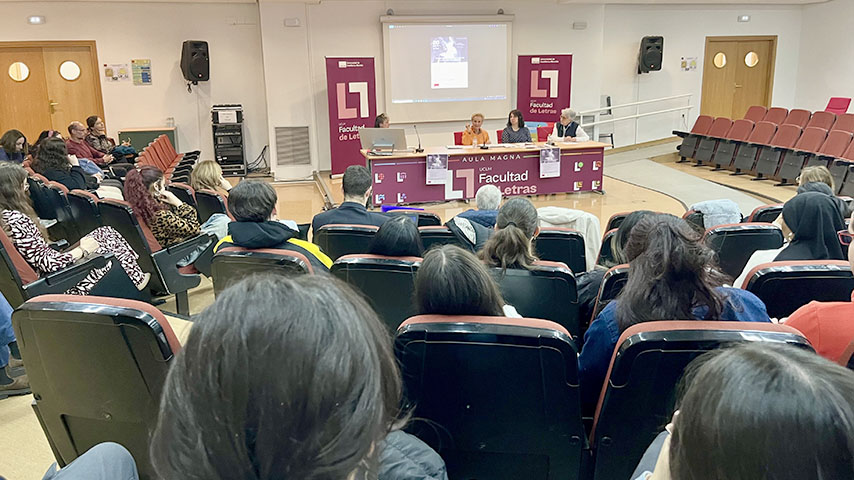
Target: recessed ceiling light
<point>36,20</point>
<point>744,18</point>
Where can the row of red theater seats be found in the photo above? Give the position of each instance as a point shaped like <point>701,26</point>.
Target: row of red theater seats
<point>161,154</point>
<point>496,397</point>
<point>771,152</point>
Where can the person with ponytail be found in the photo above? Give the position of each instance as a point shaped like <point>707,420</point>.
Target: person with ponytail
<point>672,276</point>
<point>22,226</point>
<point>171,221</point>
<point>515,227</point>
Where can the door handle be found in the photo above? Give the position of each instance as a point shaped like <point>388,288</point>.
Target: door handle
<point>737,86</point>
<point>52,105</point>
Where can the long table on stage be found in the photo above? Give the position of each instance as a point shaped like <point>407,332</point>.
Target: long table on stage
<point>402,177</point>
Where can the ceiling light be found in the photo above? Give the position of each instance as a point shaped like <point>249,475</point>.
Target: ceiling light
<point>36,20</point>
<point>744,18</point>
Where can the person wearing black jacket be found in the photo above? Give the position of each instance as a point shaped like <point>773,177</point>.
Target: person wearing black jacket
<point>356,184</point>
<point>252,203</point>
<point>56,165</point>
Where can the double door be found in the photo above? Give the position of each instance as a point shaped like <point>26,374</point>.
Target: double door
<point>738,72</point>
<point>47,85</point>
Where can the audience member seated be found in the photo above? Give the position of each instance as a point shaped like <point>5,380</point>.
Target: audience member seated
<point>567,129</point>
<point>13,147</point>
<point>510,246</point>
<point>42,137</point>
<point>829,326</point>
<point>588,283</point>
<point>673,277</point>
<point>818,179</point>
<point>170,220</point>
<point>381,121</point>
<point>515,131</point>
<point>207,175</point>
<point>78,146</point>
<point>307,388</point>
<point>452,281</point>
<point>398,237</point>
<point>56,165</point>
<point>104,461</point>
<point>97,138</point>
<point>253,205</point>
<point>813,219</point>
<point>474,132</point>
<point>356,184</point>
<point>487,199</point>
<point>739,405</point>
<point>10,356</point>
<point>24,230</point>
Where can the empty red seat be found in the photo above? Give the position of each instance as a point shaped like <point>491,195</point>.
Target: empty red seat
<point>769,157</point>
<point>838,105</point>
<point>844,122</point>
<point>765,213</point>
<point>755,113</point>
<point>776,115</point>
<point>822,120</point>
<point>745,157</point>
<point>708,142</point>
<point>691,139</point>
<point>793,160</point>
<point>797,117</point>
<point>725,150</point>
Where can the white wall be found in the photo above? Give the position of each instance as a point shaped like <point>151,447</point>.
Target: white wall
<point>685,29</point>
<point>826,68</point>
<point>294,56</point>
<point>156,30</point>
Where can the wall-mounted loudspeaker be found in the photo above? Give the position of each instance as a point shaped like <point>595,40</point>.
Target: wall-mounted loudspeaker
<point>651,54</point>
<point>195,63</point>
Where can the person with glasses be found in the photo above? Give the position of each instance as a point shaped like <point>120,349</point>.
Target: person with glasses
<point>813,220</point>
<point>828,325</point>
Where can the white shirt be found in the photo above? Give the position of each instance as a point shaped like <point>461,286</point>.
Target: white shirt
<point>580,135</point>
<point>758,258</point>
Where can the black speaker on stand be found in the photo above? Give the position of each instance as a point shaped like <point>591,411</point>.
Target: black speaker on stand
<point>195,61</point>
<point>651,54</point>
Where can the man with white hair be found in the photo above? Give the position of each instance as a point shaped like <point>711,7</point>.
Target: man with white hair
<point>567,129</point>
<point>488,199</point>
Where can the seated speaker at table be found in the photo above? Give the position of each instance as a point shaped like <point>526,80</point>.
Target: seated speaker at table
<point>515,131</point>
<point>567,129</point>
<point>474,133</point>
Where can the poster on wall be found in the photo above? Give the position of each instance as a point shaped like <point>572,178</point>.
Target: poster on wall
<point>352,95</point>
<point>688,64</point>
<point>141,68</point>
<point>116,72</point>
<point>544,83</point>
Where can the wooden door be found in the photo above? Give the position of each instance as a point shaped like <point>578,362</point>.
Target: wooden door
<point>73,87</point>
<point>23,104</point>
<point>738,72</point>
<point>52,96</point>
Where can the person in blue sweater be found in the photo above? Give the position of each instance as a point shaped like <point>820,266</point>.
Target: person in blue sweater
<point>673,276</point>
<point>13,146</point>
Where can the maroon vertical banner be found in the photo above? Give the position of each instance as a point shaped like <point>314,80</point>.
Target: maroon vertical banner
<point>352,93</point>
<point>543,86</point>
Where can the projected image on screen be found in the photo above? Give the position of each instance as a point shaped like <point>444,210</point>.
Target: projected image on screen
<point>449,64</point>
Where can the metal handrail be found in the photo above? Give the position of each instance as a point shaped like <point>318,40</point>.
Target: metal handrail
<point>642,102</point>
<point>639,115</point>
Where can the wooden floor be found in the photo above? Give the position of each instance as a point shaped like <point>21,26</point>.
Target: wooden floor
<point>26,454</point>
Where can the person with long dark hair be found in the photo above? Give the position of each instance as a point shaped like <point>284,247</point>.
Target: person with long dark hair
<point>171,221</point>
<point>813,219</point>
<point>398,237</point>
<point>23,228</point>
<point>287,377</point>
<point>451,281</point>
<point>13,146</point>
<point>515,131</point>
<point>56,165</point>
<point>758,411</point>
<point>672,276</point>
<point>516,226</point>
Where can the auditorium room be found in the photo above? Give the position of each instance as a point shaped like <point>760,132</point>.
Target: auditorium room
<point>426,240</point>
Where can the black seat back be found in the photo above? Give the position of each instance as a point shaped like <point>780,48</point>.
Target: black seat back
<point>606,250</point>
<point>497,398</point>
<point>734,244</point>
<point>232,264</point>
<point>184,192</point>
<point>40,198</point>
<point>422,219</point>
<point>209,202</point>
<point>557,244</point>
<point>787,286</point>
<point>84,210</point>
<point>547,291</point>
<point>57,197</point>
<point>438,235</point>
<point>85,395</point>
<point>639,394</point>
<point>387,282</point>
<point>765,213</point>
<point>337,240</point>
<point>612,284</point>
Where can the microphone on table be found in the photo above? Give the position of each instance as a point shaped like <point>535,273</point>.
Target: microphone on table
<point>419,149</point>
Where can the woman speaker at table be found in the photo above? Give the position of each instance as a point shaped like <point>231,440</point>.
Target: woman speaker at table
<point>567,129</point>
<point>515,131</point>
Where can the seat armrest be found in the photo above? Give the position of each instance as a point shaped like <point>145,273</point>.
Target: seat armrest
<point>680,134</point>
<point>59,245</point>
<point>61,281</point>
<point>168,258</point>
